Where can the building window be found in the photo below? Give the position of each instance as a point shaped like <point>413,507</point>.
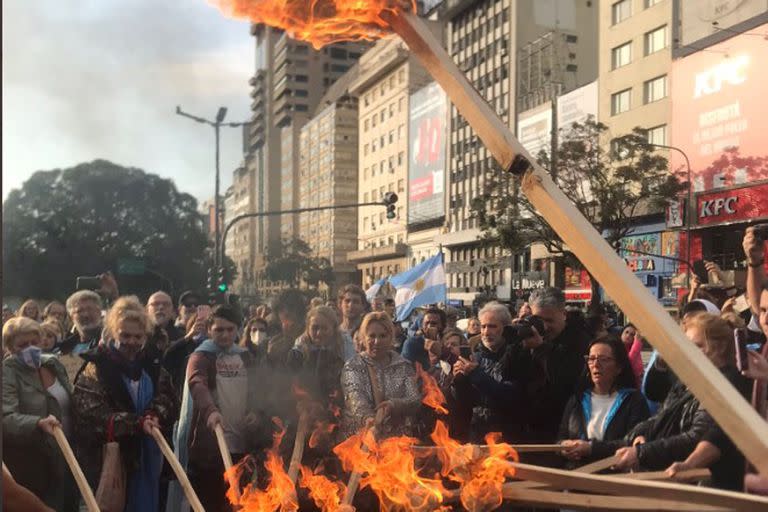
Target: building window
<point>365,149</point>
<point>657,135</point>
<point>383,114</point>
<point>651,3</point>
<point>621,10</point>
<point>400,158</point>
<point>656,40</point>
<point>621,55</point>
<point>620,101</point>
<point>655,89</point>
<point>400,131</point>
<point>381,141</point>
<point>373,146</point>
<point>391,136</point>
<point>365,197</point>
<point>365,126</point>
<point>400,104</point>
<point>400,186</point>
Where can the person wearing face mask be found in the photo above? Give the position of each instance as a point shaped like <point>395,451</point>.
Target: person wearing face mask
<point>122,394</point>
<point>255,337</point>
<point>36,400</point>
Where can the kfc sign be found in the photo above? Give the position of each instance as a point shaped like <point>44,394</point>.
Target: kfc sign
<point>733,205</point>
<point>730,71</point>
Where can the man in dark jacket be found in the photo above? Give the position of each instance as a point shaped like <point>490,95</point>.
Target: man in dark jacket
<point>160,309</point>
<point>432,326</point>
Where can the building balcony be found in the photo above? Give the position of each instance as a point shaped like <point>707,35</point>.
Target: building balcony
<point>378,253</point>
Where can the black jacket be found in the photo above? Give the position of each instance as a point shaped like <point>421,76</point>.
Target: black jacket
<point>632,409</point>
<point>175,362</point>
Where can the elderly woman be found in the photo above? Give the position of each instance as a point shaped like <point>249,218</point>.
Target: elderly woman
<point>122,395</point>
<point>606,407</point>
<point>36,400</point>
<point>379,383</point>
<point>30,309</point>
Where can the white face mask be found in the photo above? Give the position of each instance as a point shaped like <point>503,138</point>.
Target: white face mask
<point>258,337</point>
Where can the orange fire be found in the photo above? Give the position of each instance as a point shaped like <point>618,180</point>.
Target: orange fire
<point>481,473</point>
<point>433,396</point>
<point>280,493</point>
<point>322,431</point>
<point>326,493</point>
<point>319,22</point>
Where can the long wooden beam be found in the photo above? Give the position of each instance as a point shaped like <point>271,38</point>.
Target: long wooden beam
<point>744,426</point>
<point>642,488</point>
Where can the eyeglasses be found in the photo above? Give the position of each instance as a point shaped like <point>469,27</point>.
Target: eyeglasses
<point>190,305</point>
<point>598,359</point>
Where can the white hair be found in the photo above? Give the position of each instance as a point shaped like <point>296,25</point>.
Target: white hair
<point>498,310</point>
<point>82,296</point>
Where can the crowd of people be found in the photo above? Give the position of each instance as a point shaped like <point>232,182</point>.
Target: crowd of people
<point>106,368</point>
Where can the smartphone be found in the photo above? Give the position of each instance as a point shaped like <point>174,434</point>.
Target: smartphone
<point>701,271</point>
<point>740,341</point>
<point>203,312</point>
<point>465,351</point>
<point>761,231</point>
<point>88,283</point>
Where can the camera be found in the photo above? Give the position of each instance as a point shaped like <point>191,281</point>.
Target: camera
<point>761,231</point>
<point>523,329</point>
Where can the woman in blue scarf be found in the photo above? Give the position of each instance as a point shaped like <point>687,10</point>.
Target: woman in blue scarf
<point>121,394</point>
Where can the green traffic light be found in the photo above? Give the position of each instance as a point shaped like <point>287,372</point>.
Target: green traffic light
<point>223,287</point>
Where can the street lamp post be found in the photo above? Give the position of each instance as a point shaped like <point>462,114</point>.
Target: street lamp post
<point>217,124</point>
<point>689,202</point>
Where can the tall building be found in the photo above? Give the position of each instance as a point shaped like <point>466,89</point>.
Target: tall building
<point>387,77</point>
<point>290,80</point>
<point>529,50</point>
<point>635,59</point>
<point>240,238</point>
<point>328,177</point>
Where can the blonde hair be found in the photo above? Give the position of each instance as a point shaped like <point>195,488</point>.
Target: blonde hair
<point>329,315</point>
<point>52,328</point>
<point>18,326</point>
<point>718,336</point>
<point>127,308</point>
<point>29,302</point>
<point>381,318</point>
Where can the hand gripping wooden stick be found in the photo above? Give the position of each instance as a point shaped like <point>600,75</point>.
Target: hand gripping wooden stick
<point>194,501</point>
<point>742,424</point>
<point>82,483</point>
<point>227,459</point>
<point>354,479</point>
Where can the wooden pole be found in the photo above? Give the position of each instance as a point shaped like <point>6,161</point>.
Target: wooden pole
<point>354,479</point>
<point>226,457</point>
<point>482,450</point>
<point>77,472</point>
<point>743,425</point>
<point>633,487</point>
<point>194,501</point>
<point>298,447</point>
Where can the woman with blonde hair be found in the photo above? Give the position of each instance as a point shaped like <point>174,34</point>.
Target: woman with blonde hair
<point>380,384</point>
<point>120,395</point>
<point>36,400</point>
<point>52,334</point>
<point>30,309</point>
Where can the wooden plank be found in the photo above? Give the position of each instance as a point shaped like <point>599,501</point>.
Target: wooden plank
<point>194,501</point>
<point>88,498</point>
<point>632,487</point>
<point>716,394</point>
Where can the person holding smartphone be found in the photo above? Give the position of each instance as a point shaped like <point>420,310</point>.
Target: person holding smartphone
<point>432,326</point>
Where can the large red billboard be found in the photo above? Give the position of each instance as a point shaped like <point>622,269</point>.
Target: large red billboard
<point>720,112</point>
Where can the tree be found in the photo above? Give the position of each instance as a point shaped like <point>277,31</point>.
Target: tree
<point>65,223</point>
<point>610,187</point>
<point>294,263</point>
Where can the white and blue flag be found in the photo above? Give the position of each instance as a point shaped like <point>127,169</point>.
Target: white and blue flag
<point>421,285</point>
<point>373,291</point>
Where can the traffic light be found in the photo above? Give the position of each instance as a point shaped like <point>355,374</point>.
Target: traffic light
<point>390,198</point>
<point>223,286</point>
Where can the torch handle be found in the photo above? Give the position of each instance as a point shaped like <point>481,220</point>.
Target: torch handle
<point>226,457</point>
<point>194,501</point>
<point>77,471</point>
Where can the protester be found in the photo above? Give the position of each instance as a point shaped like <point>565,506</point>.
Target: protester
<point>36,400</point>
<point>121,395</point>
<point>633,344</point>
<point>487,383</point>
<point>379,384</point>
<point>177,356</point>
<point>353,305</point>
<point>673,433</point>
<point>524,311</point>
<point>390,308</point>
<point>51,335</point>
<point>473,327</point>
<point>55,310</point>
<point>432,326</point>
<point>188,303</point>
<point>451,317</point>
<point>290,309</point>
<point>160,309</point>
<point>606,406</point>
<point>255,337</point>
<point>84,308</point>
<point>30,309</point>
<point>222,388</point>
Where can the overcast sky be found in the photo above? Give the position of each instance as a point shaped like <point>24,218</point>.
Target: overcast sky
<point>89,79</point>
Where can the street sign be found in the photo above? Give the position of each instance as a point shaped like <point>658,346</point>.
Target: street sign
<point>131,266</point>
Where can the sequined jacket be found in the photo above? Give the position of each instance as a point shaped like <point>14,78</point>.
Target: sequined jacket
<point>397,380</point>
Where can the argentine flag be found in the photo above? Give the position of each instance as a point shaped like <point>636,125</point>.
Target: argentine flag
<point>373,291</point>
<point>423,284</point>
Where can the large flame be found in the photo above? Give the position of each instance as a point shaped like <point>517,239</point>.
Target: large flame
<point>319,22</point>
<point>433,395</point>
<point>280,493</point>
<point>326,493</point>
